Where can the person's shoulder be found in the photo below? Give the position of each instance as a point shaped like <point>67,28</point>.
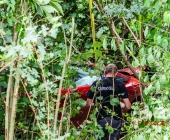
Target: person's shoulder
<point>119,82</point>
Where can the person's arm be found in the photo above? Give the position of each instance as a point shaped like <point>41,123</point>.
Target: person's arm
<point>90,96</point>
<point>127,104</point>
<point>89,102</point>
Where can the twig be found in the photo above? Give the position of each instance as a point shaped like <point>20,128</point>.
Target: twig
<point>8,64</point>
<point>131,31</point>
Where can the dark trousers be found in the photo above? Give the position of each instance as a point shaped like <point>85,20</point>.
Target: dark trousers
<point>116,124</point>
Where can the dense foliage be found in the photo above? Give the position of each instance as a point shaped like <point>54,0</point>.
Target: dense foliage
<point>40,39</point>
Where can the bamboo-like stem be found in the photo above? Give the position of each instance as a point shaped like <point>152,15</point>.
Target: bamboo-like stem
<point>62,114</point>
<point>141,29</point>
<point>61,81</point>
<point>14,106</point>
<point>10,83</point>
<point>92,24</point>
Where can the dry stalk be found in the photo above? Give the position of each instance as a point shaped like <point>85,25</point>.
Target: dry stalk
<point>61,81</point>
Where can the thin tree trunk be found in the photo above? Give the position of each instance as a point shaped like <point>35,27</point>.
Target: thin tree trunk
<point>14,106</point>
<point>7,104</point>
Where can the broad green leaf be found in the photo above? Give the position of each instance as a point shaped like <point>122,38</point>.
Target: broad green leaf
<point>146,79</point>
<point>2,2</point>
<point>146,31</point>
<point>158,86</point>
<point>98,53</point>
<point>105,43</point>
<point>136,63</point>
<point>151,59</point>
<point>166,17</point>
<point>158,54</point>
<point>113,45</point>
<point>48,8</point>
<point>43,2</point>
<point>100,98</point>
<point>163,79</point>
<point>164,43</point>
<point>143,61</point>
<point>157,39</point>
<point>57,6</point>
<point>122,48</point>
<point>142,51</point>
<point>114,101</point>
<point>150,88</point>
<point>154,77</point>
<point>150,50</point>
<point>147,3</point>
<point>97,44</point>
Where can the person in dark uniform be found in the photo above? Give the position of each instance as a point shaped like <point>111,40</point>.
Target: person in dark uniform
<point>102,96</point>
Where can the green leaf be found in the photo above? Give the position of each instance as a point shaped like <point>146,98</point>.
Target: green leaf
<point>158,86</point>
<point>157,39</point>
<point>43,2</point>
<point>147,3</point>
<point>150,88</point>
<point>154,77</point>
<point>105,43</point>
<point>136,63</point>
<point>122,48</point>
<point>163,79</point>
<point>114,101</point>
<point>166,17</point>
<point>146,79</point>
<point>146,31</point>
<point>2,137</point>
<point>97,44</point>
<point>164,43</point>
<point>113,45</point>
<point>98,53</point>
<point>100,98</point>
<point>151,59</point>
<point>57,6</point>
<point>48,8</point>
<point>143,61</point>
<point>158,54</point>
<point>142,51</point>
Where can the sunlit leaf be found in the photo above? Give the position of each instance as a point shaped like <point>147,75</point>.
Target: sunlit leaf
<point>122,48</point>
<point>164,43</point>
<point>113,45</point>
<point>151,59</point>
<point>97,44</point>
<point>158,86</point>
<point>166,17</point>
<point>147,3</point>
<point>142,51</point>
<point>146,31</point>
<point>48,8</point>
<point>105,43</point>
<point>163,79</point>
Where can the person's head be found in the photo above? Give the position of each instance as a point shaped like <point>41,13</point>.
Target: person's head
<point>110,69</point>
